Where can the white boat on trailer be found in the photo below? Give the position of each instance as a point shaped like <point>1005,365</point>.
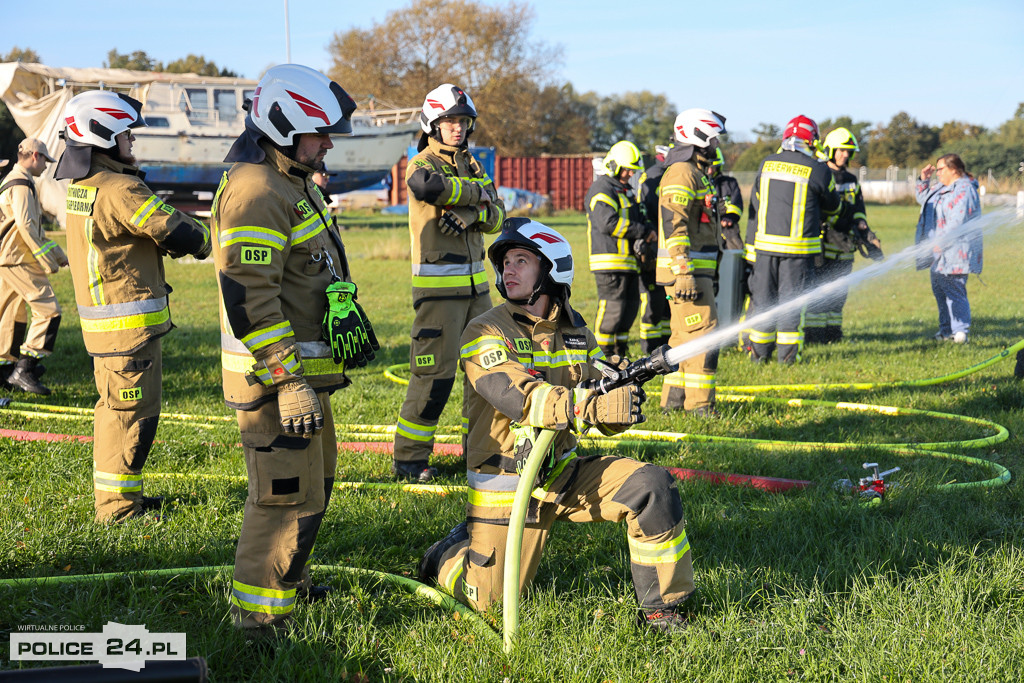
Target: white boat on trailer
<point>193,120</point>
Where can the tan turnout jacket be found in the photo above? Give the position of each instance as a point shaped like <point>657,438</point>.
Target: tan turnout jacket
<point>447,266</point>
<point>274,252</point>
<point>22,238</point>
<point>685,244</point>
<point>118,232</point>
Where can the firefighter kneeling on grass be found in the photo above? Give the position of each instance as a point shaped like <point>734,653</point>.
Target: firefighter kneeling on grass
<point>526,362</point>
<point>287,312</point>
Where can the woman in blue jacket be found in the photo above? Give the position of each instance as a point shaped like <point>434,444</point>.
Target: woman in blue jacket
<point>945,206</point>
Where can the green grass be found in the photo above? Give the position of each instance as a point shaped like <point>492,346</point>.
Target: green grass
<point>807,585</point>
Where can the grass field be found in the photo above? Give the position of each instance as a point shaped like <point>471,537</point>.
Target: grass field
<point>804,586</point>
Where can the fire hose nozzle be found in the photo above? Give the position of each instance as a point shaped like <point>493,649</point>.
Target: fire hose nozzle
<point>639,372</point>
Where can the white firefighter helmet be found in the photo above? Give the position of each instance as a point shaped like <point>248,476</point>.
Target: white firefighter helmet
<point>292,99</point>
<point>698,127</point>
<point>96,117</point>
<point>446,100</point>
<point>554,251</point>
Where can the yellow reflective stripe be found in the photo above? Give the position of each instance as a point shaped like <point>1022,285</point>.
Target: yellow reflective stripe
<point>500,218</point>
<point>796,226</point>
<point>538,403</point>
<point>760,337</point>
<point>698,381</point>
<point>263,600</point>
<point>262,372</point>
<point>93,266</point>
<point>732,208</point>
<point>788,245</point>
<point>677,241</point>
<point>126,322</point>
<point>658,553</point>
<point>416,432</point>
<point>560,359</point>
<point>434,281</point>
<point>253,234</point>
<point>490,499</point>
<point>602,197</point>
<point>687,192</point>
<point>790,338</point>
<point>698,263</point>
<point>268,335</point>
<point>143,213</point>
<point>45,248</point>
<point>233,362</point>
<point>116,483</point>
<point>479,344</point>
<point>456,189</point>
<point>307,229</point>
<point>453,577</point>
<point>612,262</point>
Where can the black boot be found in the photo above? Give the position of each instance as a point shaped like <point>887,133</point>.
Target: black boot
<point>24,377</point>
<point>5,372</point>
<point>430,563</point>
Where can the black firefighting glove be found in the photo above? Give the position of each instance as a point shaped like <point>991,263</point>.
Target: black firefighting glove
<point>621,406</point>
<point>732,238</point>
<point>299,407</point>
<point>347,328</point>
<point>686,288</point>
<point>455,220</point>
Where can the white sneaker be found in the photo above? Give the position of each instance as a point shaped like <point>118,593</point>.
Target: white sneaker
<point>960,337</point>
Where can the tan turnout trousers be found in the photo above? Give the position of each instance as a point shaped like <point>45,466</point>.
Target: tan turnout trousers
<point>125,423</point>
<point>290,482</point>
<point>592,489</point>
<point>23,284</point>
<point>433,360</point>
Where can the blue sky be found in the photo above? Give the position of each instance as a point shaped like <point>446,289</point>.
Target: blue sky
<point>754,61</point>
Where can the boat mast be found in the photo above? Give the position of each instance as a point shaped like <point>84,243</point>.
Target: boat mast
<point>287,36</point>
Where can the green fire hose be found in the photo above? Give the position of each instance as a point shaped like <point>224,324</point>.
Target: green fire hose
<point>516,525</point>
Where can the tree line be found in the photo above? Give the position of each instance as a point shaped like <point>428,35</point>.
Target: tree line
<point>526,110</point>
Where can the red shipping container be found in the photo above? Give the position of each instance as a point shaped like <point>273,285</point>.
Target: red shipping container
<point>563,179</point>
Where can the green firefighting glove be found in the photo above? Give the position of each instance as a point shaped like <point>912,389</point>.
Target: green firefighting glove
<point>347,328</point>
<point>299,407</point>
<point>621,406</point>
<point>686,287</point>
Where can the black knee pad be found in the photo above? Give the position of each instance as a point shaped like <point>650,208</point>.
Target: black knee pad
<point>440,390</point>
<point>650,492</point>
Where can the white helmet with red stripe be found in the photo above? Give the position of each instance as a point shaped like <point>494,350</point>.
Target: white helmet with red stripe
<point>446,100</point>
<point>698,127</point>
<point>96,117</point>
<point>292,99</point>
<point>554,251</point>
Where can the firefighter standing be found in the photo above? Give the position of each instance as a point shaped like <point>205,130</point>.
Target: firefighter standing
<point>823,321</point>
<point>118,232</point>
<point>26,257</point>
<point>728,204</point>
<point>655,326</point>
<point>688,257</point>
<point>278,252</point>
<point>792,194</point>
<point>614,223</point>
<point>524,362</point>
<point>452,203</point>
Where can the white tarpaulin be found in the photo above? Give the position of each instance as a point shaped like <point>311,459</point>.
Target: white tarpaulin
<point>36,95</point>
